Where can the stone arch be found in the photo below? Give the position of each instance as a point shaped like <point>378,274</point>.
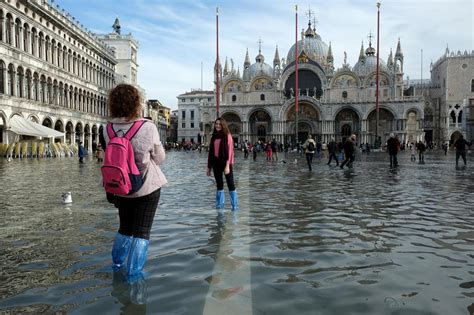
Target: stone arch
<point>47,122</point>
<point>310,84</point>
<point>79,131</point>
<point>347,121</point>
<point>261,83</point>
<point>234,122</point>
<point>385,127</point>
<point>69,132</point>
<point>59,125</point>
<point>344,80</point>
<point>260,124</point>
<point>87,135</point>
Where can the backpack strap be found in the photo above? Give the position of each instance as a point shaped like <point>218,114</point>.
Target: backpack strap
<point>134,129</point>
<point>110,131</point>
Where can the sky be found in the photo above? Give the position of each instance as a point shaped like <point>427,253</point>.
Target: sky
<point>177,38</point>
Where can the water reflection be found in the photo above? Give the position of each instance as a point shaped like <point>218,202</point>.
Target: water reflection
<point>366,240</point>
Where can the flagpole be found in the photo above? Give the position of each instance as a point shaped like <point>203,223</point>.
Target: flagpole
<point>217,66</point>
<point>296,76</point>
<point>377,109</point>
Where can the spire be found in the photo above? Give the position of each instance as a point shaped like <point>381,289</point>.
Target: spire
<point>116,26</point>
<point>309,32</point>
<point>247,60</point>
<point>260,57</point>
<point>390,59</point>
<point>362,54</point>
<point>226,67</point>
<point>399,50</point>
<point>330,57</point>
<point>276,59</point>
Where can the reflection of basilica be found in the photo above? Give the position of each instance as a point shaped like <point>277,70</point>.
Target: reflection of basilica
<point>260,102</point>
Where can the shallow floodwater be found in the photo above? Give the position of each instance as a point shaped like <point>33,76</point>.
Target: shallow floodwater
<point>369,240</point>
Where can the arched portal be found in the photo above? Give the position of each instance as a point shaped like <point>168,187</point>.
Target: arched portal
<point>48,123</point>
<point>347,122</point>
<point>260,125</point>
<point>87,135</point>
<point>385,127</point>
<point>235,125</point>
<point>308,122</point>
<point>69,132</point>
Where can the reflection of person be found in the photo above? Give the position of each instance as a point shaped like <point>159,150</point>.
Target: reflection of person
<point>309,145</point>
<point>81,153</point>
<point>99,153</point>
<point>220,160</point>
<point>460,146</point>
<point>137,210</point>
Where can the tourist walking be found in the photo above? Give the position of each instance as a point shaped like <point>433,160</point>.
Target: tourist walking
<point>220,160</point>
<point>309,146</point>
<point>460,146</point>
<point>332,148</point>
<point>413,152</point>
<point>81,153</point>
<point>349,151</point>
<point>393,146</point>
<point>137,209</point>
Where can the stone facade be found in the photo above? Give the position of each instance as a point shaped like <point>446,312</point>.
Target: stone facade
<point>193,108</point>
<point>55,72</point>
<point>333,103</point>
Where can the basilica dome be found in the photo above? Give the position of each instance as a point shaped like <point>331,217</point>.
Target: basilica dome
<point>312,45</point>
<point>369,63</point>
<point>260,68</point>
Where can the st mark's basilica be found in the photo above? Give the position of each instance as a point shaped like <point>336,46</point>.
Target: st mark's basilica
<point>259,103</point>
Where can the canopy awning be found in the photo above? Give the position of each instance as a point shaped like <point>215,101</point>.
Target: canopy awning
<point>27,127</point>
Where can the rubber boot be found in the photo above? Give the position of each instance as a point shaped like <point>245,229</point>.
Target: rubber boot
<point>220,198</point>
<point>136,259</point>
<point>139,291</point>
<point>234,201</point>
<point>120,250</point>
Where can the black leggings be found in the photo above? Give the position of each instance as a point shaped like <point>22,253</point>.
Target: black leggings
<point>136,214</point>
<point>229,178</point>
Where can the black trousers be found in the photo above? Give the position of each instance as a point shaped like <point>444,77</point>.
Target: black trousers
<point>331,156</point>
<point>393,160</point>
<point>349,160</point>
<point>229,178</point>
<point>461,154</point>
<point>309,160</point>
<point>137,214</point>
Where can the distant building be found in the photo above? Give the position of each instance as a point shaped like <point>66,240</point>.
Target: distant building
<point>174,126</point>
<point>160,115</point>
<point>190,107</point>
<point>55,72</point>
<point>449,97</point>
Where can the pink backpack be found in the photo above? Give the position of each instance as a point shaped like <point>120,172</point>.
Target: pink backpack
<point>120,174</point>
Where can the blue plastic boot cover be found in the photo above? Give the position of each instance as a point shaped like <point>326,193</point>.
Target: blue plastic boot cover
<point>120,250</point>
<point>234,201</point>
<point>139,291</point>
<point>220,198</point>
<point>137,257</point>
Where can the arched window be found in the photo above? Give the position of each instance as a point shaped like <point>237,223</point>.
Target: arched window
<point>344,95</point>
<point>262,97</point>
<point>234,98</point>
<point>2,77</point>
<point>453,117</point>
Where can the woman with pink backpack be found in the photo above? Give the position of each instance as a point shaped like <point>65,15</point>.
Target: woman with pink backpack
<point>135,195</point>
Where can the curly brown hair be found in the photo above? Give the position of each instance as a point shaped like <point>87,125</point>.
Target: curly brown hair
<point>124,101</point>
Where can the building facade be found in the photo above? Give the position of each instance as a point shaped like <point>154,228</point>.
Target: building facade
<point>55,72</point>
<point>160,115</point>
<point>259,104</point>
<point>190,107</point>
